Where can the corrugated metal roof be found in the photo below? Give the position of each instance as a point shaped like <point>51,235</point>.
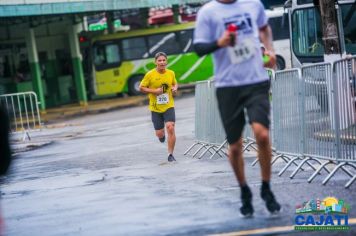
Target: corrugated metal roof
<point>40,7</point>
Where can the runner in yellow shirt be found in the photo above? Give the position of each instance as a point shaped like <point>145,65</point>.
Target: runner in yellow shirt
<point>160,84</point>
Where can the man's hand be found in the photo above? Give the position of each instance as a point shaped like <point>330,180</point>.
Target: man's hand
<point>271,63</point>
<point>174,89</point>
<point>267,41</point>
<point>158,91</point>
<point>225,39</point>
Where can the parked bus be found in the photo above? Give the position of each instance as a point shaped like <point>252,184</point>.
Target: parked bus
<point>306,32</point>
<point>117,62</point>
<point>281,42</point>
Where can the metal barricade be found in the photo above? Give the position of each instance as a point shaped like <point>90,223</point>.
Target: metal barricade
<point>287,115</point>
<point>314,117</point>
<point>316,98</point>
<point>287,111</point>
<point>209,132</point>
<point>343,120</point>
<point>23,111</point>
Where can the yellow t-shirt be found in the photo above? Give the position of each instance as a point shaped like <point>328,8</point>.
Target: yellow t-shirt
<point>153,79</point>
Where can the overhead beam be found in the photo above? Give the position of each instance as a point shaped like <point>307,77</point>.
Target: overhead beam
<point>35,7</point>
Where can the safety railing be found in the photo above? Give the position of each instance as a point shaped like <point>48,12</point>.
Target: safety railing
<point>209,132</point>
<point>22,108</point>
<point>313,120</point>
<point>309,87</point>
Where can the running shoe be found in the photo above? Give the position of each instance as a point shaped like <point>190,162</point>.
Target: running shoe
<point>272,205</point>
<point>162,139</point>
<point>171,158</point>
<point>246,198</point>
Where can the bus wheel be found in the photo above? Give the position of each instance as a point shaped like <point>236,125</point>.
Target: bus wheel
<point>134,85</point>
<point>281,63</point>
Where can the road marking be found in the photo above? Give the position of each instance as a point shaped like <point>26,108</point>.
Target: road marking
<point>271,230</point>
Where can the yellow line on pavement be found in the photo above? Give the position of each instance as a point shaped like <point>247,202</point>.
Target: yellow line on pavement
<point>271,230</point>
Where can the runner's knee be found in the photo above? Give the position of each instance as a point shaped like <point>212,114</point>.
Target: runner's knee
<point>262,137</point>
<point>160,133</point>
<point>236,148</point>
<point>170,127</point>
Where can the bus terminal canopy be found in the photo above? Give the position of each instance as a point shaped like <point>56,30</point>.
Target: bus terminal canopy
<point>11,8</point>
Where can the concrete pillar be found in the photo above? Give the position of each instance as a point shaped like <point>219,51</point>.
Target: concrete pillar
<point>175,9</point>
<point>110,22</point>
<point>35,67</point>
<point>77,65</point>
<point>144,16</point>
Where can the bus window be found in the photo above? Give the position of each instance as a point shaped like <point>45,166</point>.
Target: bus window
<point>106,56</point>
<point>134,48</point>
<point>349,24</point>
<point>279,30</point>
<point>306,33</point>
<point>302,2</point>
<point>186,38</point>
<point>112,53</point>
<point>99,55</point>
<point>163,43</point>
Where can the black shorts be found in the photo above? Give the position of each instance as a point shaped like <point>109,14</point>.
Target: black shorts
<point>158,119</point>
<point>233,100</point>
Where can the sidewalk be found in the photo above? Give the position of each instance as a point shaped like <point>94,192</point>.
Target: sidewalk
<point>98,106</point>
<point>56,126</point>
<point>53,115</point>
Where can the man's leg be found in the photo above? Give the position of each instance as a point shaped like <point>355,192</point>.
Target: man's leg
<point>237,163</point>
<point>171,136</point>
<point>264,150</point>
<point>160,135</point>
<point>264,156</point>
<point>170,118</point>
<point>158,124</point>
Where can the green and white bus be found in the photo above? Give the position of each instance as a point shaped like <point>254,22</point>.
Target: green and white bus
<point>116,63</point>
<point>120,60</point>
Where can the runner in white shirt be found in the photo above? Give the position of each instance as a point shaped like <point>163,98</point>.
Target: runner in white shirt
<point>241,80</point>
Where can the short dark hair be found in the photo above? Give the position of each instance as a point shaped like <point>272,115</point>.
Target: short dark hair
<point>158,54</point>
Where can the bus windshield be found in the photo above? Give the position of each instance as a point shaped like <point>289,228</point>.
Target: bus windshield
<point>349,24</point>
<point>307,32</point>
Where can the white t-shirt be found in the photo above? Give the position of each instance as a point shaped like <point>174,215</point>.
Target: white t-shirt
<point>241,64</point>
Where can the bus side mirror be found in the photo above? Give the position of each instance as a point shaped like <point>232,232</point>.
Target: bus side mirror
<point>287,4</point>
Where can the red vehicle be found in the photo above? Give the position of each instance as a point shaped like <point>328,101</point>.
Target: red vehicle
<point>160,16</point>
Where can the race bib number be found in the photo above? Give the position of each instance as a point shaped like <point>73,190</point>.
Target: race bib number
<point>162,99</point>
<point>242,51</point>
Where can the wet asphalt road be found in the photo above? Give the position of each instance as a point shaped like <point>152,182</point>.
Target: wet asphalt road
<point>107,174</point>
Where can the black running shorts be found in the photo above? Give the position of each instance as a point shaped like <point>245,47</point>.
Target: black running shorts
<point>158,119</point>
<point>233,100</point>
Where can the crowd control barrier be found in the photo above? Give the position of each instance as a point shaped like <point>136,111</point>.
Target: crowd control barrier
<point>313,120</point>
<point>209,132</point>
<point>22,108</point>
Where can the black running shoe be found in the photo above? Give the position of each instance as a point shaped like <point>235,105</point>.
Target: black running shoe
<point>162,139</point>
<point>246,198</point>
<point>272,205</point>
<point>171,158</point>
